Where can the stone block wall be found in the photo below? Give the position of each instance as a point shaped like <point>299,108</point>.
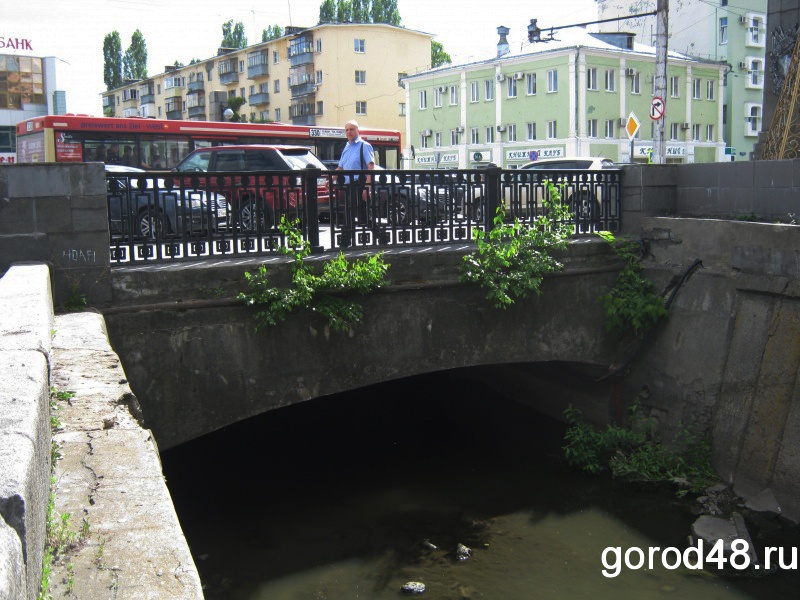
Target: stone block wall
<point>26,325</point>
<point>58,214</point>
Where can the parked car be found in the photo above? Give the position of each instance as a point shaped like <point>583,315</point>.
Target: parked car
<point>258,201</point>
<point>147,207</point>
<point>453,194</point>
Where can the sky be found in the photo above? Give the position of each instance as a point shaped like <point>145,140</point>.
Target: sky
<point>181,30</point>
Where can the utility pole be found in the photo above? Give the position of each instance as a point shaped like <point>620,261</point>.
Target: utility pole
<point>662,23</point>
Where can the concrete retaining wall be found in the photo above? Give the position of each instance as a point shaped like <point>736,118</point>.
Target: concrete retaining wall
<point>58,214</point>
<point>26,324</point>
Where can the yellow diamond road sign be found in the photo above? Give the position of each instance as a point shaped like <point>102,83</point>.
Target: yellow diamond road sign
<point>632,126</point>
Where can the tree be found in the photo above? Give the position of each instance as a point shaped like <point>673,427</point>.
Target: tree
<point>360,11</point>
<point>344,11</point>
<point>112,61</point>
<point>273,32</point>
<point>134,63</point>
<point>327,11</point>
<point>233,35</point>
<point>385,11</point>
<point>438,56</point>
<point>235,103</point>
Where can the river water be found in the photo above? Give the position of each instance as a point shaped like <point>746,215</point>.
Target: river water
<point>351,496</point>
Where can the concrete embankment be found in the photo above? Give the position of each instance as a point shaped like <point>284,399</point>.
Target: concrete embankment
<point>128,542</point>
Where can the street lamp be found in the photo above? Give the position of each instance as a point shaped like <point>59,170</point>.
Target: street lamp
<point>227,113</point>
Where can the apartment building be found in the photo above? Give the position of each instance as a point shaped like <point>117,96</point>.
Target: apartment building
<point>571,96</point>
<point>325,74</point>
<point>734,33</point>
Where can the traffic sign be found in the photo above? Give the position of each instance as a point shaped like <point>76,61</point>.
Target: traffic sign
<point>533,155</point>
<point>632,126</point>
<point>657,108</point>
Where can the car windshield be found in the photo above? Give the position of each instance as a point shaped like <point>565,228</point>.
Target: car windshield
<point>300,158</point>
<point>195,162</point>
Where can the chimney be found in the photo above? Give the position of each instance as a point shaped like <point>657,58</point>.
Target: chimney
<point>502,45</point>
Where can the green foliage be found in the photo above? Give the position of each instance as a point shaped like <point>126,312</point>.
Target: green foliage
<point>632,306</point>
<point>512,259</point>
<point>631,454</point>
<point>359,11</point>
<point>76,301</point>
<point>233,35</point>
<point>273,32</point>
<point>438,56</point>
<point>112,61</point>
<point>315,292</point>
<point>134,63</point>
<point>235,103</point>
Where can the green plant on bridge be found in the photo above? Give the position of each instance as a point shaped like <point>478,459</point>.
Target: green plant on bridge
<point>512,258</point>
<point>632,306</point>
<point>319,293</point>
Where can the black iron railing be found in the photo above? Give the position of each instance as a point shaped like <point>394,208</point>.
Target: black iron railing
<point>159,216</point>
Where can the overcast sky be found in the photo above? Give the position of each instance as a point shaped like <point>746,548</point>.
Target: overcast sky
<point>185,29</point>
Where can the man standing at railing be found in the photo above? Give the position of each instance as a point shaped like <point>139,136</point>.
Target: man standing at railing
<point>356,156</point>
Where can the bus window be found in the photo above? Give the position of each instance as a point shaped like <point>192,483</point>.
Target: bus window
<point>162,152</point>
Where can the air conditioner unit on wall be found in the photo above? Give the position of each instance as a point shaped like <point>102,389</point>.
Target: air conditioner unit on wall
<point>459,129</point>
<point>622,122</point>
<point>501,128</point>
<point>685,125</point>
<point>742,65</point>
<point>519,75</point>
<point>630,72</point>
<point>442,89</point>
<point>501,77</point>
<point>743,19</point>
<point>426,133</point>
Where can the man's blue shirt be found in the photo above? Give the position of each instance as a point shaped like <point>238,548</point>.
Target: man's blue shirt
<point>351,156</point>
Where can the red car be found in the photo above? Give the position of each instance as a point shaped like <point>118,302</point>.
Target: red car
<point>259,200</point>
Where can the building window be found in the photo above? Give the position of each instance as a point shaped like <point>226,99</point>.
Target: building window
<point>711,85</point>
<point>755,74</point>
<point>361,77</point>
<point>611,80</point>
<point>361,107</point>
<point>318,77</point>
<point>695,89</point>
<point>474,137</point>
<point>474,92</point>
<point>319,107</point>
<point>531,128</point>
<point>591,128</point>
<point>591,78</point>
<point>488,90</point>
<point>276,57</point>
<point>358,45</point>
<point>437,139</point>
<point>552,130</point>
<point>530,84</point>
<point>709,133</point>
<point>454,137</point>
<point>489,135</point>
<point>423,99</point>
<point>723,30</point>
<point>610,128</point>
<point>635,83</point>
<point>753,117</point>
<point>241,66</point>
<point>511,86</point>
<point>401,107</point>
<point>755,35</point>
<point>674,87</point>
<point>276,86</point>
<point>423,140</point>
<point>673,131</point>
<point>437,97</point>
<point>552,81</point>
<point>453,95</point>
<point>512,133</point>
<point>696,133</point>
<point>277,114</point>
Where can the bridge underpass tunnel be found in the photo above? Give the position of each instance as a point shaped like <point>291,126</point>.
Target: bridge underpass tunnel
<point>354,494</point>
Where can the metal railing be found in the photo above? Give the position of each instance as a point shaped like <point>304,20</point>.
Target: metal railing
<point>161,216</point>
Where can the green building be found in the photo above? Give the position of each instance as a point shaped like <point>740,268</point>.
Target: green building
<point>573,96</point>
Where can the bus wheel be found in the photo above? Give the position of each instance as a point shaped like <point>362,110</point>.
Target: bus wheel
<point>151,225</point>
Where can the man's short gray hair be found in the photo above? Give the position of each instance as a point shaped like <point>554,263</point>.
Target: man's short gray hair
<point>352,122</point>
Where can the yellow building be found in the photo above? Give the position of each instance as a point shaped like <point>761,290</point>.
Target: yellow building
<point>325,74</point>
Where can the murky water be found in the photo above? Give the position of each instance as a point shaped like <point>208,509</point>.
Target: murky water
<point>354,495</point>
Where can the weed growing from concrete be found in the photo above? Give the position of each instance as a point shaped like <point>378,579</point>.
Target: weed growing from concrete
<point>631,453</point>
<point>512,259</point>
<point>319,293</point>
<point>632,305</point>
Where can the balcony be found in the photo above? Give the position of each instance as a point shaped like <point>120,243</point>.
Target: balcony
<point>229,77</point>
<point>148,99</point>
<point>303,89</point>
<point>175,115</point>
<point>197,111</point>
<point>258,99</point>
<point>255,71</point>
<point>195,86</point>
<point>173,92</point>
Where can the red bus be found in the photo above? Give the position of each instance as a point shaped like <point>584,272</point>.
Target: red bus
<point>162,144</point>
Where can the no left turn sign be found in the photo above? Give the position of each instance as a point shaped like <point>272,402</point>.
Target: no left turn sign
<point>656,108</point>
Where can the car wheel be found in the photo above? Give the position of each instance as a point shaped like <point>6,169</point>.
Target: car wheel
<point>151,225</point>
<point>478,211</point>
<point>398,211</point>
<point>251,219</point>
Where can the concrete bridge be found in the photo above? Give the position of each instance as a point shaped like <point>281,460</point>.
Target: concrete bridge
<point>727,358</point>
